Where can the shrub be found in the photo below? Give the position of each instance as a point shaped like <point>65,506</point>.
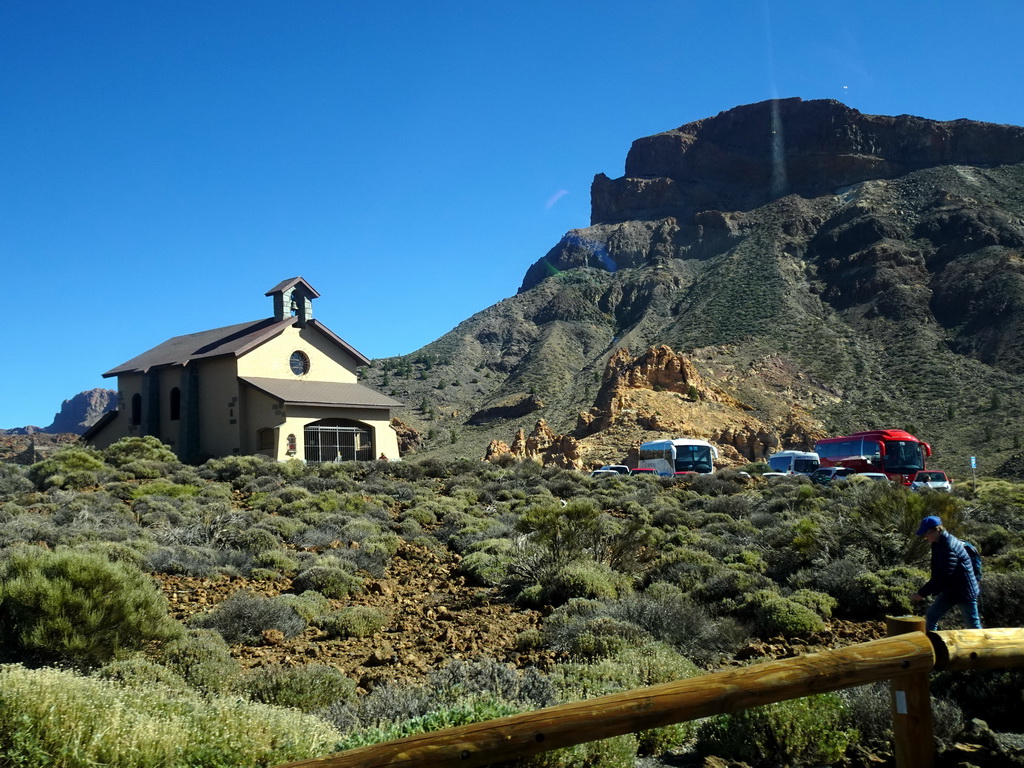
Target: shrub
<point>581,628</point>
<point>244,617</point>
<point>586,579</point>
<point>807,731</point>
<point>131,449</point>
<point>771,614</point>
<point>1001,603</point>
<point>668,614</point>
<point>73,466</point>
<point>309,605</point>
<point>334,582</point>
<point>13,481</point>
<point>886,591</point>
<point>354,621</point>
<point>76,607</point>
<point>202,658</point>
<point>137,671</point>
<point>632,667</point>
<point>308,688</point>
<point>52,717</point>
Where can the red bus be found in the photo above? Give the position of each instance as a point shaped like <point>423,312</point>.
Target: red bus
<point>896,453</point>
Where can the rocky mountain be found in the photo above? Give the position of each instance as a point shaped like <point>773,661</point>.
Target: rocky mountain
<point>785,269</point>
<point>76,414</point>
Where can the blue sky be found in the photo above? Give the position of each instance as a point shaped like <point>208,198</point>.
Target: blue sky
<point>164,164</point>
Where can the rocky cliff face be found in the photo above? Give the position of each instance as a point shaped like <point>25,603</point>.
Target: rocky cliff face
<point>748,156</point>
<point>82,411</point>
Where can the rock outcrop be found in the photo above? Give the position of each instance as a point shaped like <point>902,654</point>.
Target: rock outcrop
<point>541,445</point>
<point>750,155</point>
<point>82,411</point>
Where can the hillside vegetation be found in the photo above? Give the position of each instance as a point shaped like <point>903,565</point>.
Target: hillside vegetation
<point>246,612</point>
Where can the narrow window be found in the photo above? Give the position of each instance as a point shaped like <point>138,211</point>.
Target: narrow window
<point>175,404</point>
<point>136,417</point>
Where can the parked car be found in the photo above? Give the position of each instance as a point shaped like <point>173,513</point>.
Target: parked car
<point>931,480</point>
<point>604,473</point>
<point>879,476</point>
<point>621,469</point>
<point>826,475</point>
<point>650,471</point>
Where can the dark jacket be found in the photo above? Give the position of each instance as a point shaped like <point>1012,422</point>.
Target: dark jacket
<point>952,573</point>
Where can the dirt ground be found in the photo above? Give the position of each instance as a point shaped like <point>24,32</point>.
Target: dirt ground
<point>434,617</point>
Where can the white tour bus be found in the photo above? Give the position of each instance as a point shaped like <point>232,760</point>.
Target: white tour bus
<point>684,454</point>
<point>794,462</point>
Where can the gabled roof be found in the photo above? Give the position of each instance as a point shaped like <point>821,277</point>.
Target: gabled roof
<point>284,285</point>
<point>231,340</point>
<point>305,392</point>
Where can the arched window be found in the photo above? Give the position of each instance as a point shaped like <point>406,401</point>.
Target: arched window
<point>175,404</point>
<point>136,415</point>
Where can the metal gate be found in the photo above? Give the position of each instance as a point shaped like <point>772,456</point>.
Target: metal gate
<point>331,442</point>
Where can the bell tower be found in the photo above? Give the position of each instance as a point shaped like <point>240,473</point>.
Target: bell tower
<point>293,298</point>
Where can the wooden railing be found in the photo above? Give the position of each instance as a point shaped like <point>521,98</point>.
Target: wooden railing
<point>905,658</point>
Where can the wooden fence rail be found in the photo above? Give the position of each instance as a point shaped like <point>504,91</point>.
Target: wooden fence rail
<point>728,691</point>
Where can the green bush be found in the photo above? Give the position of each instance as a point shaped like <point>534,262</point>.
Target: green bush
<point>137,671</point>
<point>330,581</point>
<point>583,629</point>
<point>13,481</point>
<point>244,617</point>
<point>202,658</point>
<point>634,666</point>
<point>71,606</point>
<point>57,718</point>
<point>308,688</point>
<point>770,614</point>
<point>586,579</point>
<point>807,731</point>
<point>354,621</point>
<point>73,466</point>
<point>131,449</point>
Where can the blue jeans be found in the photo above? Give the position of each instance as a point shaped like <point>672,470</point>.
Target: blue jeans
<point>941,606</point>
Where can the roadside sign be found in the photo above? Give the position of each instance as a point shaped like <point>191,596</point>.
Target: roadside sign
<point>974,462</point>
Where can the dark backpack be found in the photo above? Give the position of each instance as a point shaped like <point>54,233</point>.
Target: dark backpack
<point>975,555</point>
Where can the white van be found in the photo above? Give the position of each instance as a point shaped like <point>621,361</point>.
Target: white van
<point>793,462</point>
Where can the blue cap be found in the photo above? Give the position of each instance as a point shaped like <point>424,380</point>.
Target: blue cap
<point>927,524</point>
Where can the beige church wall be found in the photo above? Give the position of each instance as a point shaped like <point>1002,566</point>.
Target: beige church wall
<point>272,359</point>
<point>260,411</point>
<point>219,407</point>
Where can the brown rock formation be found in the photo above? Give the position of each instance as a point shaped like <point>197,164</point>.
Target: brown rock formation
<point>542,445</point>
<point>750,155</point>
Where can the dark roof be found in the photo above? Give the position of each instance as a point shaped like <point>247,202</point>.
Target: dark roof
<point>231,340</point>
<point>284,285</point>
<point>306,392</point>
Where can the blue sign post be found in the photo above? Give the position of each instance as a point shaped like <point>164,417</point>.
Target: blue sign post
<point>974,476</point>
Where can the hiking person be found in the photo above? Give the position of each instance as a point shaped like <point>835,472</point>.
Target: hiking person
<point>952,581</point>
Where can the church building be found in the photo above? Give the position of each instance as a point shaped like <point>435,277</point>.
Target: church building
<point>285,387</point>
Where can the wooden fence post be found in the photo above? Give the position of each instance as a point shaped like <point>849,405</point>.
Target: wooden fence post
<point>913,734</point>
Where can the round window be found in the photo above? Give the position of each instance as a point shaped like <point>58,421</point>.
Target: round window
<point>299,363</point>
